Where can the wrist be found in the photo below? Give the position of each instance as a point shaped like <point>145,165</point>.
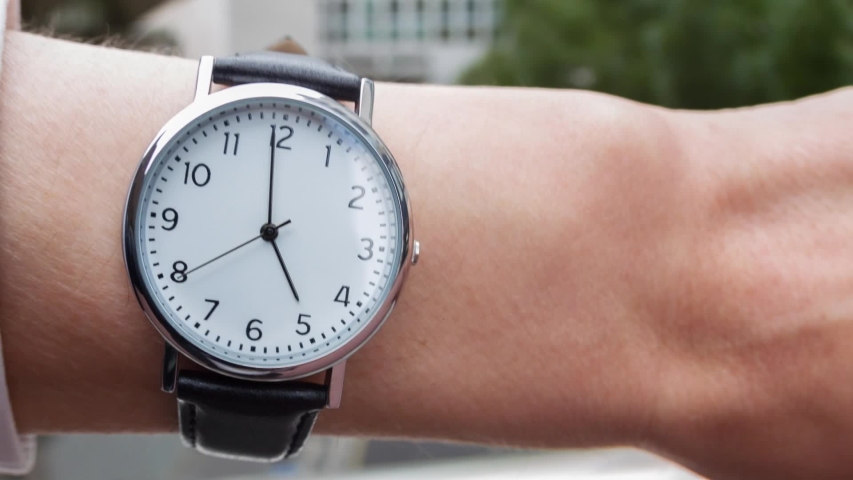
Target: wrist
<point>761,309</point>
<point>74,119</point>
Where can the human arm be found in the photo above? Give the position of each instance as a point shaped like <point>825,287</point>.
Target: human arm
<point>595,271</point>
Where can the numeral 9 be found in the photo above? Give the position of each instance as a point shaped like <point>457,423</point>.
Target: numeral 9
<point>170,215</point>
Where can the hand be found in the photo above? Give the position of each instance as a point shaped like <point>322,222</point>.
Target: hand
<point>286,273</point>
<point>234,250</point>
<point>272,171</point>
<point>270,236</point>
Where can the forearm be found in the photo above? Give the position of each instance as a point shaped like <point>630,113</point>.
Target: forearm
<point>522,317</point>
<point>758,332</point>
<point>594,271</point>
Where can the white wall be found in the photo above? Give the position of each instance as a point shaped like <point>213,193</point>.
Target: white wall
<point>223,27</point>
<point>201,27</point>
<point>256,24</point>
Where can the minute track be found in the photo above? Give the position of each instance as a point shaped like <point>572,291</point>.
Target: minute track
<point>299,186</point>
<point>327,252</point>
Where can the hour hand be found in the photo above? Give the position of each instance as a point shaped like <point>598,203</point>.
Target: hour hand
<point>284,268</point>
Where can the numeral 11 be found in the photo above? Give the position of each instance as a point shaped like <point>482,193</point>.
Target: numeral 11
<point>236,143</point>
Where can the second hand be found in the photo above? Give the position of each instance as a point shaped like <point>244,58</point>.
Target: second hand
<point>232,250</point>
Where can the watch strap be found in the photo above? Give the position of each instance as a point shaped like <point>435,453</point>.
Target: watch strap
<point>289,68</point>
<point>233,418</point>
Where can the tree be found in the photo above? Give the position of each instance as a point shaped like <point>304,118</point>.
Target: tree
<point>676,53</point>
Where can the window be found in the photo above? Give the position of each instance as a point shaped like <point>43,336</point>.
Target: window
<point>395,19</point>
<point>419,9</point>
<point>344,20</point>
<point>445,20</point>
<point>409,20</point>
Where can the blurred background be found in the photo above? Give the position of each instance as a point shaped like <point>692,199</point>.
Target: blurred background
<point>677,53</point>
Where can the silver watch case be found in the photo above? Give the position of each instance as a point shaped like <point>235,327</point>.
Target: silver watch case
<point>205,102</point>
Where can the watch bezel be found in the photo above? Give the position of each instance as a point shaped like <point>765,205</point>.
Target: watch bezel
<point>130,235</point>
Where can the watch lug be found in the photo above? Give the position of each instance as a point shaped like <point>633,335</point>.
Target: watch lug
<point>335,384</point>
<point>364,106</point>
<point>170,368</point>
<point>204,77</point>
<point>416,252</point>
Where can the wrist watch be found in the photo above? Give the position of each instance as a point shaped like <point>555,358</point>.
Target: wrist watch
<point>267,235</point>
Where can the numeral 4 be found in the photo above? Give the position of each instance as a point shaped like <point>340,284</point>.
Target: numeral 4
<point>343,296</point>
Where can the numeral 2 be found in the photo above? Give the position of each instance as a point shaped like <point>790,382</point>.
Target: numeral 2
<point>361,191</point>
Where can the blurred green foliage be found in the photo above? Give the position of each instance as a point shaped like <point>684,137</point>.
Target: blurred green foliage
<point>677,53</point>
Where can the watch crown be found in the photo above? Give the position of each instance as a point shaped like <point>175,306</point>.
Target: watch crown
<point>416,252</point>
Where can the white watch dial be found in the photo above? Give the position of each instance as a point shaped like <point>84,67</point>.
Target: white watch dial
<point>264,280</point>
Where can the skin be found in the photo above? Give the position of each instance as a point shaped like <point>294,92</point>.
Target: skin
<point>594,271</point>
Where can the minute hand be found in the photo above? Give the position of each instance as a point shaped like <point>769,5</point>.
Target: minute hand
<point>272,170</point>
<point>231,251</point>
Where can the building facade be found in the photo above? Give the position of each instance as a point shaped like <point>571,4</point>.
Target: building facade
<point>400,40</point>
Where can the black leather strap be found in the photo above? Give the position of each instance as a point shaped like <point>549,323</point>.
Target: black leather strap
<point>234,418</point>
<point>288,68</point>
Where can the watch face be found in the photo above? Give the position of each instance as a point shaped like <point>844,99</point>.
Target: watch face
<point>267,232</point>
